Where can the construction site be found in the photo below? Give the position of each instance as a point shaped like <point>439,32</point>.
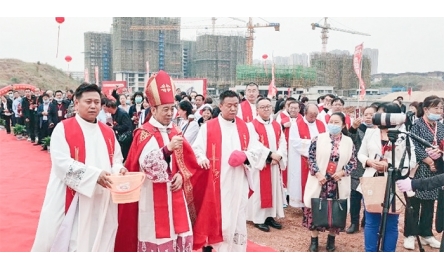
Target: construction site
<point>224,58</point>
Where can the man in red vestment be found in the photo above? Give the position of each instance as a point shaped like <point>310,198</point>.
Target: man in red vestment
<point>308,128</point>
<point>247,109</point>
<point>337,105</point>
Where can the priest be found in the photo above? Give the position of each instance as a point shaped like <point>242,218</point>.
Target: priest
<point>247,109</point>
<point>267,201</point>
<point>308,128</point>
<point>160,221</point>
<point>230,149</point>
<point>337,105</point>
<point>78,213</point>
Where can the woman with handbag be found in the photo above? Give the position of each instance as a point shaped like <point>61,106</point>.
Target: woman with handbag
<point>375,155</point>
<point>329,180</point>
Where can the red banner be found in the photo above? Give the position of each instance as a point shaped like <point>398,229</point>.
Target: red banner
<point>272,90</point>
<point>357,58</point>
<point>109,86</point>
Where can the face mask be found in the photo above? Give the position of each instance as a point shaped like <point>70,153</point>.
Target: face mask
<point>11,96</point>
<point>128,102</point>
<point>434,117</point>
<point>46,101</point>
<point>138,100</point>
<point>334,129</point>
<point>58,99</point>
<point>368,125</point>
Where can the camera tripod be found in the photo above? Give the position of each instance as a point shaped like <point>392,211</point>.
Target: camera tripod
<point>390,191</point>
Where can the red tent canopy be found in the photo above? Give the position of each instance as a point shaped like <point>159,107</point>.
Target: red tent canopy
<point>8,88</point>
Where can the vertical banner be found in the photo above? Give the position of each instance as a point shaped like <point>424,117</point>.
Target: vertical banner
<point>409,92</point>
<point>272,90</point>
<point>96,71</point>
<point>357,66</point>
<point>86,75</point>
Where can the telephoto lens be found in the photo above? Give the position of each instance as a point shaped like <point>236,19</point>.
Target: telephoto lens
<point>389,120</point>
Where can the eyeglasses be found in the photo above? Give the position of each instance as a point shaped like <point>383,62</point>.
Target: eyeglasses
<point>265,107</point>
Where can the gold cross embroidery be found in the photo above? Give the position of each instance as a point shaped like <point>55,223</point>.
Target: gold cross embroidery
<point>245,142</point>
<point>165,88</point>
<point>213,160</point>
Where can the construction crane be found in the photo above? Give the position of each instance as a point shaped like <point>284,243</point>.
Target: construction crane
<point>249,25</point>
<point>327,27</point>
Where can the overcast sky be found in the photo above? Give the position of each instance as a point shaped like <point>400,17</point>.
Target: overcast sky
<point>414,43</point>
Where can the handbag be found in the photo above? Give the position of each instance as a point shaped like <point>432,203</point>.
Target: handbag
<point>330,212</point>
<point>373,192</point>
<point>126,137</point>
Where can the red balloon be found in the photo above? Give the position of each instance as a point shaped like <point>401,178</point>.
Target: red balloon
<point>60,19</point>
<point>264,56</point>
<point>68,58</point>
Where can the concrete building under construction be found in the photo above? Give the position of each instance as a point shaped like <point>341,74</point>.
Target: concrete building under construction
<point>216,57</point>
<point>98,53</point>
<point>337,70</point>
<point>133,49</point>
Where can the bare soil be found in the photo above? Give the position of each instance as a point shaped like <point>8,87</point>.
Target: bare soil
<point>295,238</point>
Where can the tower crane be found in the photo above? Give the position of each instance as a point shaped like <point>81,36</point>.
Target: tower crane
<point>327,27</point>
<point>249,25</point>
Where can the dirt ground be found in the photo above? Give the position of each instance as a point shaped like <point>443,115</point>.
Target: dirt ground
<point>295,238</point>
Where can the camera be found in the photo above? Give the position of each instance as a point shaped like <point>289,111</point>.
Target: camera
<point>391,120</point>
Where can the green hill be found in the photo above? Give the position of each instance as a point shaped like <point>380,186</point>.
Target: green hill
<point>43,76</point>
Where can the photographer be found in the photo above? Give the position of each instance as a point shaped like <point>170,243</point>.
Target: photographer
<point>375,154</point>
<point>428,184</point>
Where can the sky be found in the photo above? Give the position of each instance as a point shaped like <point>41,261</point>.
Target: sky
<point>413,42</point>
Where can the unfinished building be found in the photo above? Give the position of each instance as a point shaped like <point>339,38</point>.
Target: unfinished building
<point>157,42</point>
<point>98,53</point>
<point>216,58</point>
<point>337,70</point>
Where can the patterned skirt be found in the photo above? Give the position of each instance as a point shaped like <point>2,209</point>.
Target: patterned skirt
<point>328,190</point>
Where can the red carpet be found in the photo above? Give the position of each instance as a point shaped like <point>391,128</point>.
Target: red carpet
<point>24,174</point>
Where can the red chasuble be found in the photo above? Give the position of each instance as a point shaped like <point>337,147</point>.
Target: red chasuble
<point>199,196</point>
<point>304,133</point>
<point>247,114</point>
<point>76,141</point>
<point>265,173</point>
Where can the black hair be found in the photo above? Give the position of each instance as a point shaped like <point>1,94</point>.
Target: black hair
<point>430,101</point>
<point>208,100</point>
<point>304,99</point>
<point>226,94</point>
<point>70,91</point>
<point>186,106</point>
<point>199,95</point>
<point>178,98</point>
<point>342,116</point>
<point>58,91</point>
<point>45,95</point>
<point>86,87</point>
<point>207,108</point>
<point>216,112</point>
<point>330,95</point>
<point>281,105</point>
<point>376,104</point>
<point>262,98</point>
<point>110,103</point>
<point>138,93</point>
<point>318,100</point>
<point>242,93</point>
<point>338,99</point>
<point>103,101</point>
<point>251,84</point>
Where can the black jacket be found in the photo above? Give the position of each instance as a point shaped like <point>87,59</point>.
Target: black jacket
<point>121,122</point>
<point>29,107</point>
<point>63,107</point>
<point>8,106</point>
<point>357,135</point>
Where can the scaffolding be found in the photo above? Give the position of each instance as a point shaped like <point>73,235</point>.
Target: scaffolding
<point>98,53</point>
<point>216,57</point>
<point>285,76</point>
<point>132,49</point>
<point>337,70</point>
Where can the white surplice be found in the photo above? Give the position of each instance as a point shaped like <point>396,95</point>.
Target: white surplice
<point>147,228</point>
<point>255,213</point>
<point>234,183</point>
<point>192,130</point>
<point>95,221</point>
<point>298,147</point>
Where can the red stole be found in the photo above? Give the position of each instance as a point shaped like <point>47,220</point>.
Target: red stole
<point>304,133</point>
<point>265,173</point>
<point>214,152</point>
<point>285,119</point>
<point>247,114</point>
<point>347,120</point>
<point>160,198</point>
<point>76,141</point>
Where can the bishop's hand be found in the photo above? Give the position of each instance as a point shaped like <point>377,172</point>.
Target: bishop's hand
<point>175,143</point>
<point>104,180</point>
<point>176,184</point>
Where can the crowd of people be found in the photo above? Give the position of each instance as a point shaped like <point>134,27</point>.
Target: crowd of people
<point>211,169</point>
